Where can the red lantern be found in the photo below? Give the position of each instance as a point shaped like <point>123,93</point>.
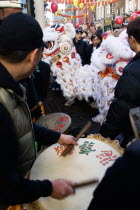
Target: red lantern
<point>54,7</point>
<point>119,20</point>
<point>77,25</point>
<point>133,16</point>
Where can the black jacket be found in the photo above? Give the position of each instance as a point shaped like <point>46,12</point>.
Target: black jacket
<point>37,86</point>
<point>41,79</point>
<point>82,49</point>
<point>99,31</point>
<point>119,188</point>
<point>14,189</point>
<point>127,96</point>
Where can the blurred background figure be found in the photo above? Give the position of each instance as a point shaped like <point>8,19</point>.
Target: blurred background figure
<point>117,32</point>
<point>104,35</point>
<point>96,42</point>
<point>99,30</point>
<point>85,37</point>
<point>93,30</point>
<point>81,47</point>
<point>124,25</point>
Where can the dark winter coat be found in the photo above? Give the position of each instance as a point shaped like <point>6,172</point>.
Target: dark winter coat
<point>37,86</point>
<point>82,49</point>
<point>41,79</point>
<point>119,188</point>
<point>127,96</point>
<point>15,189</point>
<point>99,31</point>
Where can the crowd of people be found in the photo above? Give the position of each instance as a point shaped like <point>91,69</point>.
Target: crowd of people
<point>86,42</point>
<point>93,38</point>
<point>21,49</point>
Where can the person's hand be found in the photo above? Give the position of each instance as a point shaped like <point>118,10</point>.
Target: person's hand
<point>67,139</point>
<point>62,188</point>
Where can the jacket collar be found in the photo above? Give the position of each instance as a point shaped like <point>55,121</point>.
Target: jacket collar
<point>8,82</point>
<point>79,41</point>
<point>137,56</point>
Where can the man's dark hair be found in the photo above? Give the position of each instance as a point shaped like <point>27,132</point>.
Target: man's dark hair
<point>15,56</point>
<point>133,29</point>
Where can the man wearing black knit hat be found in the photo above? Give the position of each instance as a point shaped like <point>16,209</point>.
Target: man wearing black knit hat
<point>20,51</point>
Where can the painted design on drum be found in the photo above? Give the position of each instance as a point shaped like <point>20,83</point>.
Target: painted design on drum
<point>86,148</point>
<point>106,157</point>
<point>60,122</point>
<point>59,150</point>
<point>59,127</point>
<point>63,119</point>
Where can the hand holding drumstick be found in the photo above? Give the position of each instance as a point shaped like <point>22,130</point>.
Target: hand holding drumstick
<point>82,132</point>
<point>62,187</point>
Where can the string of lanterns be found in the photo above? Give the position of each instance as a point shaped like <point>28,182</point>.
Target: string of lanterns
<point>73,9</point>
<point>61,20</point>
<point>119,19</point>
<point>72,17</point>
<point>89,5</point>
<point>79,4</point>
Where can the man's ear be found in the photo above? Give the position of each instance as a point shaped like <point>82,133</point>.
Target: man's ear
<point>34,57</point>
<point>132,39</point>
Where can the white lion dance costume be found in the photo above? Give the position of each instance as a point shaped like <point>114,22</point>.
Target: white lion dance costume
<point>62,56</point>
<point>96,80</point>
<point>108,62</point>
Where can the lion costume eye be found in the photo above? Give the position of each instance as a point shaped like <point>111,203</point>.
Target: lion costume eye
<point>65,47</point>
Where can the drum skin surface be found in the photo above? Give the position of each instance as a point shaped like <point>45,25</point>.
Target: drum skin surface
<point>89,160</point>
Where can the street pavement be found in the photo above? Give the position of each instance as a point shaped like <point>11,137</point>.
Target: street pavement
<point>80,112</point>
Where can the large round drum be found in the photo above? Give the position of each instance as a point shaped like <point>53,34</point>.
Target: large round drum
<point>89,160</point>
<point>58,121</point>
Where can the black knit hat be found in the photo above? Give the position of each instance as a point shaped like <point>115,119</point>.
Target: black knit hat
<point>20,31</point>
<point>79,31</point>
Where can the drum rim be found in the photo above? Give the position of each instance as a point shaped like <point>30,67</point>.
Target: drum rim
<point>114,143</point>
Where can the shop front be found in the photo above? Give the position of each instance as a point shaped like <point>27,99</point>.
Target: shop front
<point>107,24</point>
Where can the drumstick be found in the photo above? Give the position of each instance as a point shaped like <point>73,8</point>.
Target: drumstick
<point>82,132</point>
<point>87,182</point>
<point>39,104</point>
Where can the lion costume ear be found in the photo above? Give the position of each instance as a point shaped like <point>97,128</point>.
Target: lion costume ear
<point>70,30</point>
